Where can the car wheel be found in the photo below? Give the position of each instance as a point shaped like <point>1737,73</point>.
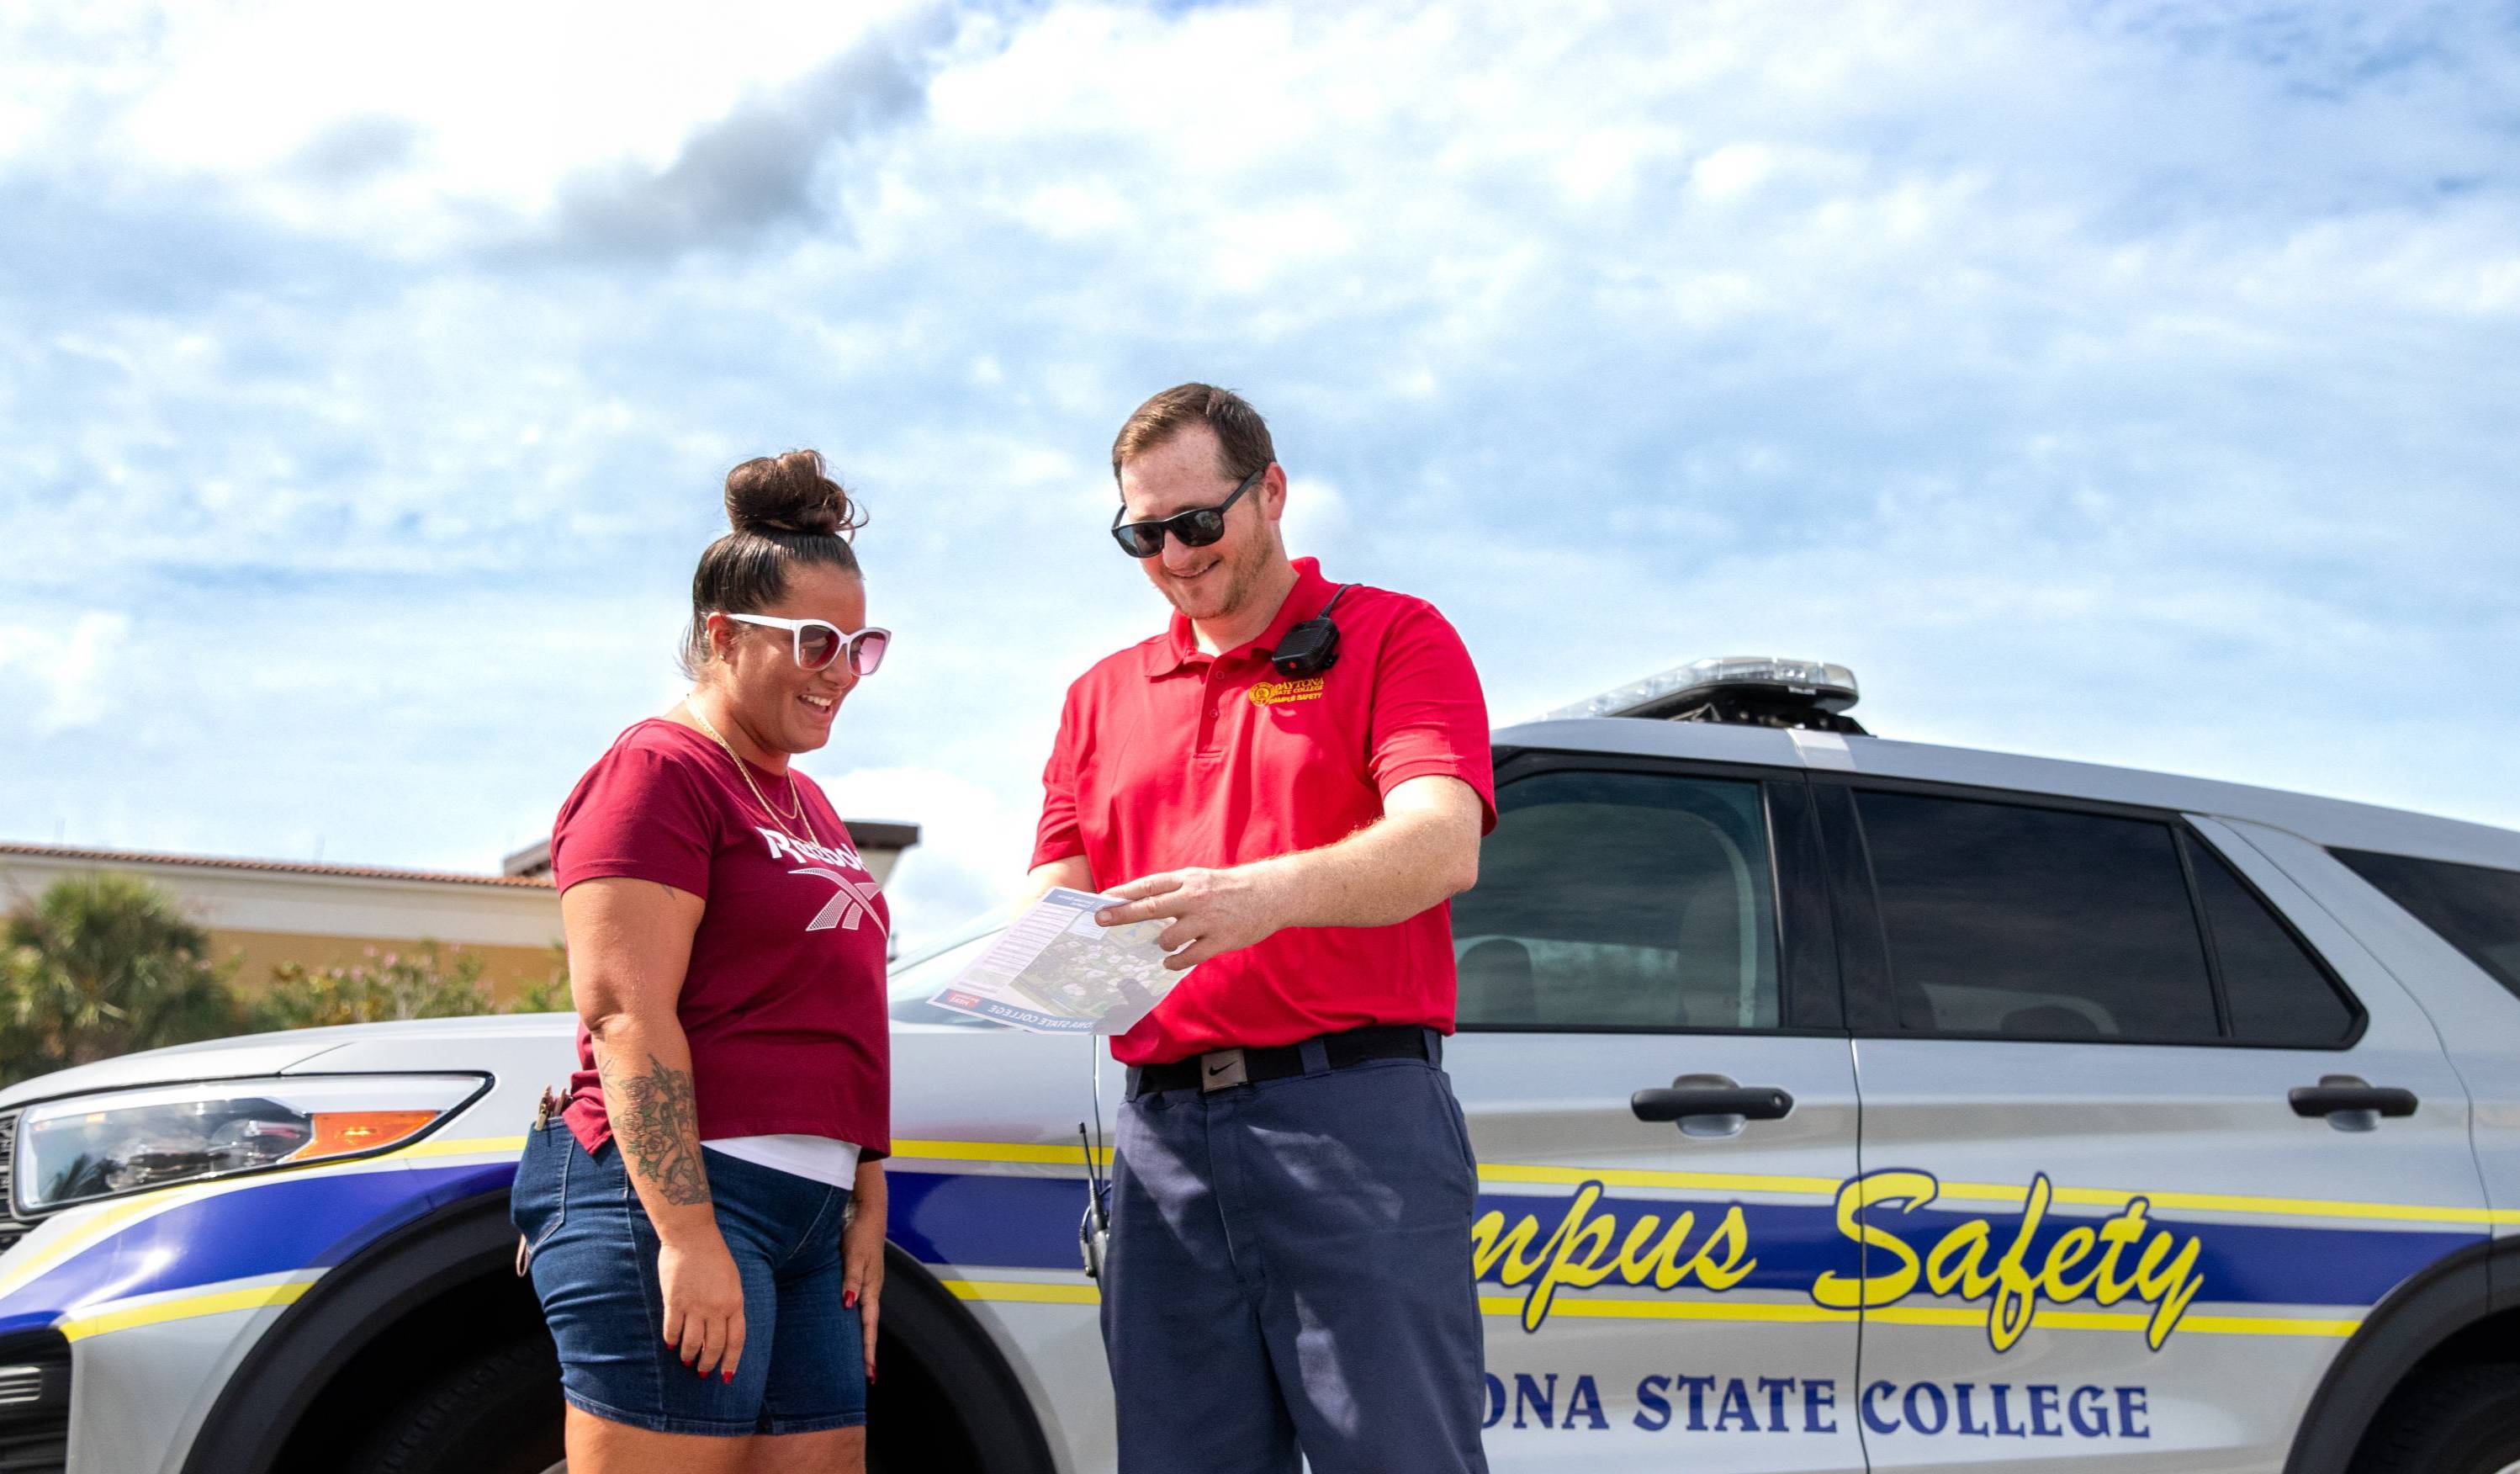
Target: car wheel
<point>499,1413</point>
<point>2461,1421</point>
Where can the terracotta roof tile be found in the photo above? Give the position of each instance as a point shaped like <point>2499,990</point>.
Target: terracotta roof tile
<point>269,866</point>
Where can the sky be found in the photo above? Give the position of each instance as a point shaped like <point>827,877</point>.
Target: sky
<point>2128,382</point>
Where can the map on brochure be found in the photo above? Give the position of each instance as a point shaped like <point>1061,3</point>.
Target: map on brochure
<point>1056,970</point>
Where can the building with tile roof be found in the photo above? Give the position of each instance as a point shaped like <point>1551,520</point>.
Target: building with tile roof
<point>265,912</point>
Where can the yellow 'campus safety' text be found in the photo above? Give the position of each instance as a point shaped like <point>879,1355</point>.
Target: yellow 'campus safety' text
<point>1973,1261</point>
<point>2164,1276</point>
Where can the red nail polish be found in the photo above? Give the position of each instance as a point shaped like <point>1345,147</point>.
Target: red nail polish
<point>727,1377</point>
<point>850,1301</point>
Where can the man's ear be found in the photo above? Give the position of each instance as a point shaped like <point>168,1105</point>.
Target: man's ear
<point>1273,491</point>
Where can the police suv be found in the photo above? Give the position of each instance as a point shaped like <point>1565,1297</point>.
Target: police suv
<point>1841,1104</point>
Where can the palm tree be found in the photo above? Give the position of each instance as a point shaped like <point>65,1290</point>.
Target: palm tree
<point>99,965</point>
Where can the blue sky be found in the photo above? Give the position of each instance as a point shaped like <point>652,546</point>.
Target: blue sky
<point>2126,382</point>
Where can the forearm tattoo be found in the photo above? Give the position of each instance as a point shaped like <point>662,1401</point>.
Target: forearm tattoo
<point>655,1119</point>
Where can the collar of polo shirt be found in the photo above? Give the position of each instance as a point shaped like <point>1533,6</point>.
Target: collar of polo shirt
<point>1180,647</point>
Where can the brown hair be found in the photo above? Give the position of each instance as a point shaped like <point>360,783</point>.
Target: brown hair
<point>1241,435</point>
<point>782,509</point>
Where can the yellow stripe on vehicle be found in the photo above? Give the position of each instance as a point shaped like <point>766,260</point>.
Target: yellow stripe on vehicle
<point>32,1260</point>
<point>2115,1198</point>
<point>1021,1292</point>
<point>1672,1309</point>
<point>185,1307</point>
<point>2049,1318</point>
<point>2013,1195</point>
<point>1027,1152</point>
<point>1623,1176</point>
<point>35,1259</point>
<point>470,1146</point>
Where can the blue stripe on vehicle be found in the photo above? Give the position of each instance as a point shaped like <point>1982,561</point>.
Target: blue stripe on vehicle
<point>293,1222</point>
<point>1793,1245</point>
<point>287,1223</point>
<point>2247,1263</point>
<point>974,1218</point>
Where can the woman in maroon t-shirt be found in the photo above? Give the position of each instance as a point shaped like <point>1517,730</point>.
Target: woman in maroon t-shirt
<point>704,1211</point>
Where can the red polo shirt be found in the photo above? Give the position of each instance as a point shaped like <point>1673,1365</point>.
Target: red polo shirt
<point>1168,758</point>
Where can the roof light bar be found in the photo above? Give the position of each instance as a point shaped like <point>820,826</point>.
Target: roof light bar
<point>1763,690</point>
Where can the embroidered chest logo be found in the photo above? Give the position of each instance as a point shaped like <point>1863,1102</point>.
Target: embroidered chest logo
<point>1277,693</point>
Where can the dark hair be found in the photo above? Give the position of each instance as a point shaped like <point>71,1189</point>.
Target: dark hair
<point>784,509</point>
<point>1241,435</point>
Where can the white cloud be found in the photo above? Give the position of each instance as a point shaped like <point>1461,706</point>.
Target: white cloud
<point>500,104</point>
<point>2120,381</point>
<point>1316,523</point>
<point>974,841</point>
<point>73,671</point>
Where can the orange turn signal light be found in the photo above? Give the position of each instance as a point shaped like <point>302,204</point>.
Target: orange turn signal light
<point>341,1133</point>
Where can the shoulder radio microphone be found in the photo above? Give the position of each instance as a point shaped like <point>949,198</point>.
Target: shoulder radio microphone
<point>1311,647</point>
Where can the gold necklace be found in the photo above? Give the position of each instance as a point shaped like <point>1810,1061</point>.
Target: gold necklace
<point>745,769</point>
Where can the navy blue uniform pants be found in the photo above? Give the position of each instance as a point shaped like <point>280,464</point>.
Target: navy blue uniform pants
<point>1289,1272</point>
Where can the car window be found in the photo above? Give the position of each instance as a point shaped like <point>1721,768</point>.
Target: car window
<point>2036,923</point>
<point>2475,908</point>
<point>2278,993</point>
<point>1621,900</point>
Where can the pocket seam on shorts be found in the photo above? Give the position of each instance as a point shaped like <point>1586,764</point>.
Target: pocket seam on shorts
<point>832,1193</point>
<point>559,1212</point>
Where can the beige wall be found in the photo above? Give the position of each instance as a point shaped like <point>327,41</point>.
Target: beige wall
<point>505,969</point>
<point>320,918</point>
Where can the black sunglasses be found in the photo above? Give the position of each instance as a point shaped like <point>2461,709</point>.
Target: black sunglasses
<point>1196,527</point>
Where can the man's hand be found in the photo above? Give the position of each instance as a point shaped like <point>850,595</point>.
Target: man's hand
<point>1212,911</point>
<point>1422,851</point>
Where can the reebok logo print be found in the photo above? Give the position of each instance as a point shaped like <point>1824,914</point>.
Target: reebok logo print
<point>854,904</point>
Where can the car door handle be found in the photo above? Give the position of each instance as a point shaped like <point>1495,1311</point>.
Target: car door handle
<point>2328,1099</point>
<point>1680,1102</point>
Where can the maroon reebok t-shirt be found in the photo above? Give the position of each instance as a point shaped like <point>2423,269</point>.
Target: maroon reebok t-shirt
<point>784,1001</point>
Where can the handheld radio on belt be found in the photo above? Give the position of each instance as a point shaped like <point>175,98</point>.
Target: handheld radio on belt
<point>1094,1231</point>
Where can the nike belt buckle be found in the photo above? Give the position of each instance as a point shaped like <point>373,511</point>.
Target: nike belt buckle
<point>1223,1069</point>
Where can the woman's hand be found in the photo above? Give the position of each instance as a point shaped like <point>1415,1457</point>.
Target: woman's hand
<point>862,1253</point>
<point>703,1301</point>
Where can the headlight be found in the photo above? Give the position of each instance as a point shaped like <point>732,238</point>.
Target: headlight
<point>95,1146</point>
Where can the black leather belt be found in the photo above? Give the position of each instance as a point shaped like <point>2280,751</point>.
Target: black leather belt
<point>1222,1069</point>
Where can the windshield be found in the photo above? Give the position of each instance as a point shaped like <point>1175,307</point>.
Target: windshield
<point>918,977</point>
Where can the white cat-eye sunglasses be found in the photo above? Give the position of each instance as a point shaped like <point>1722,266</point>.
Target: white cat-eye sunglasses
<point>819,642</point>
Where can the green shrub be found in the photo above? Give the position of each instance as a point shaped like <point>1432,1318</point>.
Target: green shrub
<point>105,964</point>
<point>427,981</point>
<point>101,965</point>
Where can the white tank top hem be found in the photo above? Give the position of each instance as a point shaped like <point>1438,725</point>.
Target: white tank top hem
<point>817,1159</point>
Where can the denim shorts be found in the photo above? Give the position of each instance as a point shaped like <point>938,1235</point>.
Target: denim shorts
<point>594,1264</point>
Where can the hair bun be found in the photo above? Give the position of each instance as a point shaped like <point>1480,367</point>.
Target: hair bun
<point>788,495</point>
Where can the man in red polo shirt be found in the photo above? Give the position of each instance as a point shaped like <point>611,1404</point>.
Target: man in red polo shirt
<point>1295,775</point>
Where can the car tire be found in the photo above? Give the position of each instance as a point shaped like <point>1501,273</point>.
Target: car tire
<point>2466,1420</point>
<point>498,1414</point>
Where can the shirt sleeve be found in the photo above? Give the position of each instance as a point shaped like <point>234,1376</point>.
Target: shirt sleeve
<point>1058,835</point>
<point>1429,714</point>
<point>639,813</point>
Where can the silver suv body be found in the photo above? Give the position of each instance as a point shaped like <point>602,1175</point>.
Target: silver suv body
<point>1843,1104</point>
